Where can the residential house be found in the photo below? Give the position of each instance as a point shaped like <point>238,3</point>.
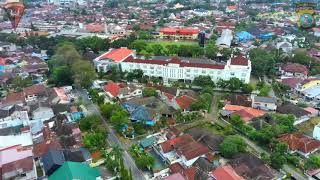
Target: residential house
<point>54,159</point>
<point>226,38</point>
<point>183,102</point>
<point>148,109</point>
<point>240,100</point>
<point>173,132</point>
<point>205,137</point>
<point>59,96</point>
<point>187,173</point>
<point>24,139</point>
<point>41,111</point>
<point>300,114</point>
<point>122,91</point>
<point>294,70</point>
<point>75,170</point>
<point>226,173</point>
<point>176,176</point>
<point>182,149</point>
<point>307,84</point>
<point>13,116</point>
<point>300,143</point>
<point>250,166</point>
<point>111,58</point>
<point>17,163</point>
<point>264,103</point>
<point>34,92</point>
<point>246,113</point>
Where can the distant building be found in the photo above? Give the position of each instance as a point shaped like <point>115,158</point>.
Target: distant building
<point>178,33</point>
<point>225,39</point>
<point>202,39</point>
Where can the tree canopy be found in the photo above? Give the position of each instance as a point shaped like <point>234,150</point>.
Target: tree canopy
<point>232,145</point>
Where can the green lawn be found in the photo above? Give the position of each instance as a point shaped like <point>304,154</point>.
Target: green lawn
<point>307,127</point>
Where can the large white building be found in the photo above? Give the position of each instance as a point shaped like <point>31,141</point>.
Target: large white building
<point>175,69</point>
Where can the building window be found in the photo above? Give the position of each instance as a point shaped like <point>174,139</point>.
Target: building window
<point>196,71</point>
<point>203,71</point>
<point>232,74</point>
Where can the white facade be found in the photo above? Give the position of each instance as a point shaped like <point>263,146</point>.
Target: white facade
<point>170,70</point>
<point>316,132</point>
<point>15,119</point>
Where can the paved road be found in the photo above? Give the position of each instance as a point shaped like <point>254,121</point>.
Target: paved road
<point>112,138</point>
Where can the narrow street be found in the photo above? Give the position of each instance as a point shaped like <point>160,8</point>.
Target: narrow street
<point>112,138</point>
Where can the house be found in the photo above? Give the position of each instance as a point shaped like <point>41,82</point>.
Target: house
<point>17,163</point>
<point>75,170</point>
<point>173,132</point>
<point>59,96</point>
<point>13,116</point>
<point>176,176</point>
<point>41,112</point>
<point>187,173</point>
<point>307,84</point>
<point>148,142</point>
<point>224,41</point>
<point>34,92</point>
<point>291,82</point>
<point>24,139</point>
<point>250,166</point>
<point>122,91</point>
<point>294,70</point>
<point>285,46</point>
<point>23,169</point>
<point>264,103</point>
<point>54,159</point>
<point>226,173</point>
<point>111,58</point>
<point>300,114</point>
<point>183,102</point>
<point>240,100</point>
<point>300,143</point>
<point>246,113</point>
<point>182,149</point>
<point>205,137</point>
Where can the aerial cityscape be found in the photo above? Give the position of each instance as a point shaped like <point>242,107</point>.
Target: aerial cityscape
<point>160,89</point>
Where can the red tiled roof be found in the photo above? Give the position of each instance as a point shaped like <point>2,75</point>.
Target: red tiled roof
<point>43,147</point>
<point>300,142</point>
<point>169,96</point>
<point>94,27</point>
<point>176,176</point>
<point>117,55</point>
<point>192,149</point>
<point>167,146</point>
<point>291,82</point>
<point>175,61</point>
<point>226,173</point>
<point>184,101</point>
<point>181,31</point>
<point>25,164</point>
<point>239,60</point>
<point>112,88</point>
<point>13,98</point>
<point>34,89</point>
<point>190,173</point>
<point>247,114</point>
<point>176,168</point>
<point>295,68</point>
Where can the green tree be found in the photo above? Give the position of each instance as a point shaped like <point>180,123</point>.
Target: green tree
<point>119,119</point>
<point>277,160</point>
<point>89,123</point>
<point>95,43</point>
<point>61,76</point>
<point>65,55</point>
<point>203,81</point>
<point>19,83</point>
<point>148,92</point>
<point>235,84</point>
<point>94,141</point>
<point>232,145</point>
<point>313,162</point>
<point>84,73</point>
<point>108,109</point>
<point>302,57</point>
<point>138,45</point>
<point>262,62</point>
<point>211,50</point>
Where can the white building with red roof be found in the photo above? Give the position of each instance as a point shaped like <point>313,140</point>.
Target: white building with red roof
<point>178,33</point>
<point>112,57</point>
<point>174,69</point>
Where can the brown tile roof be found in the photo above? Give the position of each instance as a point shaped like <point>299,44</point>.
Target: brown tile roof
<point>295,68</point>
<point>13,98</point>
<point>240,61</point>
<point>25,164</point>
<point>226,173</point>
<point>300,142</point>
<point>35,89</point>
<point>168,146</point>
<point>42,148</point>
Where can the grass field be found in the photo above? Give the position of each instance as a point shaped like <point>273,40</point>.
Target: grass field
<point>307,127</point>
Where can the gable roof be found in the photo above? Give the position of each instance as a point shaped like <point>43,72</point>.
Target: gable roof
<point>291,82</point>
<point>226,173</point>
<point>176,176</point>
<point>248,114</point>
<point>25,165</point>
<point>300,142</point>
<point>295,68</point>
<point>74,170</point>
<point>292,109</point>
<point>117,55</point>
<point>113,88</point>
<point>265,99</point>
<point>185,101</point>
